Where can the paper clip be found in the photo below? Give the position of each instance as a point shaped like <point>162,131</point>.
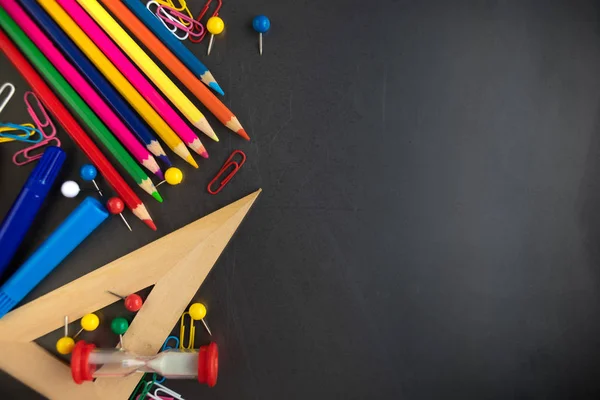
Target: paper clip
<point>9,95</point>
<point>228,164</point>
<point>7,127</point>
<point>170,15</point>
<point>161,392</point>
<point>202,14</point>
<point>45,126</point>
<point>183,7</point>
<point>192,334</point>
<point>166,346</point>
<point>167,16</point>
<point>26,133</point>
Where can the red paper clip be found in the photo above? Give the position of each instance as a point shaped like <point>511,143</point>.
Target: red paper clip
<point>236,167</point>
<point>193,39</point>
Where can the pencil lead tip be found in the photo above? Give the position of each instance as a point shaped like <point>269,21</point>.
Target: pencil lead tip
<point>191,161</point>
<point>215,86</point>
<point>150,224</point>
<point>157,196</point>
<point>243,134</point>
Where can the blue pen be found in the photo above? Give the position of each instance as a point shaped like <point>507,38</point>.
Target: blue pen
<point>71,232</point>
<point>23,211</point>
<point>178,48</point>
<point>72,52</point>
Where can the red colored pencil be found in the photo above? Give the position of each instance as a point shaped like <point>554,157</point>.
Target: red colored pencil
<point>75,131</point>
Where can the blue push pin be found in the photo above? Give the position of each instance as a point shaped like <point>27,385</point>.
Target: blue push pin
<point>88,173</point>
<point>261,24</point>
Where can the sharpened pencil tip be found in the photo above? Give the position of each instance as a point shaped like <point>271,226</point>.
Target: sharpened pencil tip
<point>157,196</point>
<point>215,86</point>
<point>192,162</point>
<point>150,223</point>
<point>204,154</point>
<point>243,134</point>
<point>160,174</point>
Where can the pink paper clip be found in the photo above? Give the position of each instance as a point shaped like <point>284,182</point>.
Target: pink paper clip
<point>202,14</point>
<point>45,125</point>
<point>170,16</point>
<point>163,17</point>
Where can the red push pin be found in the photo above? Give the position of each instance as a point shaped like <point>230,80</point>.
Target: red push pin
<point>116,206</point>
<point>133,302</point>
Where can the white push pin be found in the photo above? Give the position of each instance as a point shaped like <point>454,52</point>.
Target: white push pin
<point>70,189</point>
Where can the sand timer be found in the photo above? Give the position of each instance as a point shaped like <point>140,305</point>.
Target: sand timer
<point>88,363</point>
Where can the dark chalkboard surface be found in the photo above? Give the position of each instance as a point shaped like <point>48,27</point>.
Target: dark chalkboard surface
<point>430,219</point>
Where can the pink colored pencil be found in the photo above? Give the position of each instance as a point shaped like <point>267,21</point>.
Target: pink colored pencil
<point>139,152</point>
<point>97,35</point>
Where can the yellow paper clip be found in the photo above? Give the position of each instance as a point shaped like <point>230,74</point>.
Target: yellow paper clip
<point>192,334</point>
<point>182,8</point>
<point>24,135</point>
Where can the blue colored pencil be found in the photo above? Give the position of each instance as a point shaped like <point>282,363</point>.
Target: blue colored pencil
<point>173,43</point>
<point>86,68</point>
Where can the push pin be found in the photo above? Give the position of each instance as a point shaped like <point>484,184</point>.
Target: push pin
<point>215,26</point>
<point>70,189</point>
<point>197,312</point>
<point>133,302</point>
<point>119,326</point>
<point>89,323</point>
<point>65,344</point>
<point>116,206</point>
<point>88,173</point>
<point>173,176</point>
<point>261,24</point>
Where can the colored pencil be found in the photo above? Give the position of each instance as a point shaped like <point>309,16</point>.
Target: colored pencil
<point>149,67</point>
<point>144,35</point>
<point>138,151</point>
<point>86,68</point>
<point>135,77</point>
<point>74,100</point>
<point>188,58</point>
<point>72,128</point>
<point>120,82</point>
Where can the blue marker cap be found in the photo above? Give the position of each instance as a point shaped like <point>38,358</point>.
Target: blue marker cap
<point>70,233</point>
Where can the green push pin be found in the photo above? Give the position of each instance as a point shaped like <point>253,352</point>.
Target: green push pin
<point>119,326</point>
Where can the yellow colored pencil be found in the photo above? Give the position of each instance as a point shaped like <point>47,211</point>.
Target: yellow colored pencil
<point>162,129</point>
<point>149,67</point>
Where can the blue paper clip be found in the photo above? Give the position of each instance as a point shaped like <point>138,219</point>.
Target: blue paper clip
<point>21,137</point>
<point>166,346</point>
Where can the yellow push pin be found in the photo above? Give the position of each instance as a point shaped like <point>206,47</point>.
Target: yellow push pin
<point>173,176</point>
<point>215,26</point>
<point>197,312</point>
<point>89,323</point>
<point>65,344</point>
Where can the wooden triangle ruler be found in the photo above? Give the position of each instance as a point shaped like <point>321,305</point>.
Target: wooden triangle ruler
<point>175,264</point>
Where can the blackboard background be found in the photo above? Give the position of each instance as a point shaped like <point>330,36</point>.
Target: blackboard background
<point>430,219</point>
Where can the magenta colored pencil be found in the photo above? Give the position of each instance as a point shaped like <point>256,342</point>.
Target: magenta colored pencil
<point>97,35</point>
<point>139,152</point>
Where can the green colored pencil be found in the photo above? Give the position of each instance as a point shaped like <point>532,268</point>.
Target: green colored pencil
<point>78,105</point>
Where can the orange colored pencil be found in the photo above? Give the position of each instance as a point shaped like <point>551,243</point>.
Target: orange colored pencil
<point>178,69</point>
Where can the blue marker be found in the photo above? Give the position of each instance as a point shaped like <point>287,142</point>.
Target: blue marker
<point>78,225</point>
<point>23,211</point>
<point>165,36</point>
<point>80,61</point>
